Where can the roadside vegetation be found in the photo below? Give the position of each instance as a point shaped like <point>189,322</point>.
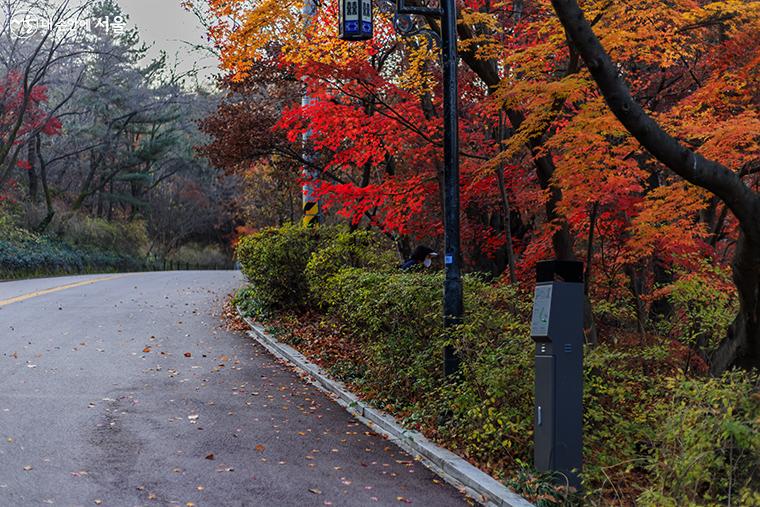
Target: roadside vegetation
<point>25,254</point>
<point>659,430</point>
<point>87,245</point>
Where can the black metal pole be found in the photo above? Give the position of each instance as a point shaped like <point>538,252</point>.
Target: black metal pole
<point>453,305</point>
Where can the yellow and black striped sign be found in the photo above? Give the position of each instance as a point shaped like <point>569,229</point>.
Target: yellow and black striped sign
<point>310,214</point>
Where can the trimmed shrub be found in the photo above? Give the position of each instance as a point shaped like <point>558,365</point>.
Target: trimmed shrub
<point>42,256</point>
<point>128,238</point>
<point>274,261</point>
<point>398,318</point>
<point>289,266</point>
<point>358,249</point>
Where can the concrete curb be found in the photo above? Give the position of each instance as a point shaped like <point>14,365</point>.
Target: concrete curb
<point>455,470</point>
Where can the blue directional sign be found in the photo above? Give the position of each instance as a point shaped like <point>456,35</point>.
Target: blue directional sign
<point>355,19</point>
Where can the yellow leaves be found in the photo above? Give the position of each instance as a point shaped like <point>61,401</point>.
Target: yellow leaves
<point>483,20</point>
<point>418,77</point>
<point>320,42</point>
<point>728,12</point>
<point>486,40</point>
<point>645,31</point>
<point>244,30</point>
<point>529,94</point>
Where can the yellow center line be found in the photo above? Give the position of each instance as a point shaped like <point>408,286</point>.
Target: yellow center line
<point>18,299</point>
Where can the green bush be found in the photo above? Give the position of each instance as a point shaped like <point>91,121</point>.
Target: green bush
<point>398,318</point>
<point>288,266</point>
<point>358,249</point>
<point>43,256</point>
<point>702,310</point>
<point>247,301</point>
<point>274,261</point>
<point>707,449</point>
<point>622,388</point>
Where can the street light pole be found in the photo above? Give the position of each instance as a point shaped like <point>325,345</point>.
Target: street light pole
<point>353,27</point>
<point>453,305</point>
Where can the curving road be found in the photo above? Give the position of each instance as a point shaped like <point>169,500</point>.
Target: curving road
<point>126,390</point>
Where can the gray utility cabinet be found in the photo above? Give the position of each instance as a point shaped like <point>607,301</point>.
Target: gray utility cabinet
<point>557,329</point>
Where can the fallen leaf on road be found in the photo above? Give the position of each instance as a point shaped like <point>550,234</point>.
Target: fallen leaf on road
<point>260,448</point>
<point>210,456</point>
<point>146,349</point>
<point>188,354</point>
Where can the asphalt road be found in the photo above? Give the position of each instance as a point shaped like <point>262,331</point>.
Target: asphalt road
<point>127,390</point>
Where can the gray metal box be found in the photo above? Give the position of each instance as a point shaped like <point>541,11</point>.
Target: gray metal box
<point>557,329</point>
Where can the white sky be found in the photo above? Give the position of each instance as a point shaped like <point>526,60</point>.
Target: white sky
<point>167,24</point>
<point>164,25</point>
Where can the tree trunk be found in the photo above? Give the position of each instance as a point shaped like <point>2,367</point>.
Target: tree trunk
<point>506,206</point>
<point>742,346</point>
<point>45,188</point>
<point>33,183</point>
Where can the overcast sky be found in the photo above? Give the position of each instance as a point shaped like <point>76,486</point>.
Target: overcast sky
<point>167,24</point>
<point>163,24</point>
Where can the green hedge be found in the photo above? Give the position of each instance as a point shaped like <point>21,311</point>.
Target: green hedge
<point>274,261</point>
<point>23,254</point>
<point>286,265</point>
<point>650,432</point>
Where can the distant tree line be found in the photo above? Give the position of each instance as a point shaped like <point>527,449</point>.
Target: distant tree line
<point>90,127</point>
